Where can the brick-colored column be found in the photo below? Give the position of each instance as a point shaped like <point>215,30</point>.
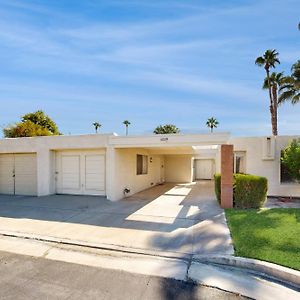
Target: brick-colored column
<point>227,176</point>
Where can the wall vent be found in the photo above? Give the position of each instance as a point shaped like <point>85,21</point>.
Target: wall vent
<point>268,148</point>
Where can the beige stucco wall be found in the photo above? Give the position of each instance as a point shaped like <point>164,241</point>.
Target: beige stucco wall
<point>174,154</point>
<point>44,148</point>
<point>125,172</point>
<point>178,168</point>
<point>258,163</point>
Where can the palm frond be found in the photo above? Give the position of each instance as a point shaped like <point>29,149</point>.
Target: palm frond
<point>296,99</point>
<point>286,82</point>
<point>260,61</point>
<point>285,96</point>
<point>265,84</point>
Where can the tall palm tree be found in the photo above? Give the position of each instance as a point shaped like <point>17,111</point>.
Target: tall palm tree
<point>126,123</point>
<point>275,81</point>
<point>212,123</point>
<point>268,61</point>
<point>290,88</point>
<point>97,125</point>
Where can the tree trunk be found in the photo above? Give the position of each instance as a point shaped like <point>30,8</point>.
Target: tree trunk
<point>274,130</point>
<point>275,106</point>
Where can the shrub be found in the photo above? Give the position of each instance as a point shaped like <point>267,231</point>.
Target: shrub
<point>249,191</point>
<point>291,159</point>
<point>217,178</point>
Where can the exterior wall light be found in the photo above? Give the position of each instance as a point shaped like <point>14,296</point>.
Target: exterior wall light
<point>126,191</point>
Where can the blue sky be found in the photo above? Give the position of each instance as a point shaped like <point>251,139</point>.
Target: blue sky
<point>151,62</point>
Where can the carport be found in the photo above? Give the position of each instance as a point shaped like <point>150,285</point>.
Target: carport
<point>147,161</point>
<point>108,165</point>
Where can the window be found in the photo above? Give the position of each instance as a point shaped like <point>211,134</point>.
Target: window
<point>141,164</point>
<point>285,176</point>
<point>239,162</point>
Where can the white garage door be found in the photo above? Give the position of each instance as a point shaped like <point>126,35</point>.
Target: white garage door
<point>7,174</point>
<point>204,168</point>
<point>18,174</point>
<point>80,172</point>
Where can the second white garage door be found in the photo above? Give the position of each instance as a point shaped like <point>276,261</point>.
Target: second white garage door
<point>80,172</point>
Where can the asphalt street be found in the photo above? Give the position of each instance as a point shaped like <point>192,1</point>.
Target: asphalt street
<point>25,277</point>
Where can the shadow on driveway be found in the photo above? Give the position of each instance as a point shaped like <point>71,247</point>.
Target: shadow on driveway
<point>183,218</point>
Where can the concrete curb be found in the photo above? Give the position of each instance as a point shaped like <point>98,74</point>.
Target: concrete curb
<point>280,273</point>
<point>100,246</point>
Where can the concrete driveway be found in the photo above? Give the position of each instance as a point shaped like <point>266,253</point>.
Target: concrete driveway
<point>182,218</point>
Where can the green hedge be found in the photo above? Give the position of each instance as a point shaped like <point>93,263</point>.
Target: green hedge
<point>249,191</point>
<point>218,187</point>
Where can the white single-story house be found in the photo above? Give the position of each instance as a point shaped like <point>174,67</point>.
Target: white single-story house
<point>116,166</point>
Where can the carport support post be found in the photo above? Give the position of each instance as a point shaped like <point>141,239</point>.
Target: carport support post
<point>226,176</point>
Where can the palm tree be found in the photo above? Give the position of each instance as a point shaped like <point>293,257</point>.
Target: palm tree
<point>212,123</point>
<point>126,123</point>
<point>290,88</point>
<point>97,125</point>
<point>166,129</point>
<point>269,60</point>
<point>275,81</point>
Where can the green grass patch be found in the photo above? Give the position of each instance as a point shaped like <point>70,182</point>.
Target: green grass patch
<point>268,234</point>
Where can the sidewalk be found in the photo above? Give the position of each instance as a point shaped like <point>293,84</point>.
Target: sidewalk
<point>185,269</point>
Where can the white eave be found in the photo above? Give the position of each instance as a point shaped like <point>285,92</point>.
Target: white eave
<point>169,140</point>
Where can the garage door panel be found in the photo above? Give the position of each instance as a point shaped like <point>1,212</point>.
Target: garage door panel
<point>70,181</point>
<point>81,172</point>
<point>25,164</point>
<point>25,186</point>
<point>71,172</point>
<point>7,186</point>
<point>94,172</point>
<point>6,174</point>
<point>25,174</point>
<point>18,174</point>
<point>93,183</point>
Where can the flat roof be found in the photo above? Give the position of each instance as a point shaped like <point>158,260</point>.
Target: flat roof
<point>169,140</point>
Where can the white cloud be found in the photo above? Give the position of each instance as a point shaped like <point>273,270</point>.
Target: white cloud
<point>146,64</point>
